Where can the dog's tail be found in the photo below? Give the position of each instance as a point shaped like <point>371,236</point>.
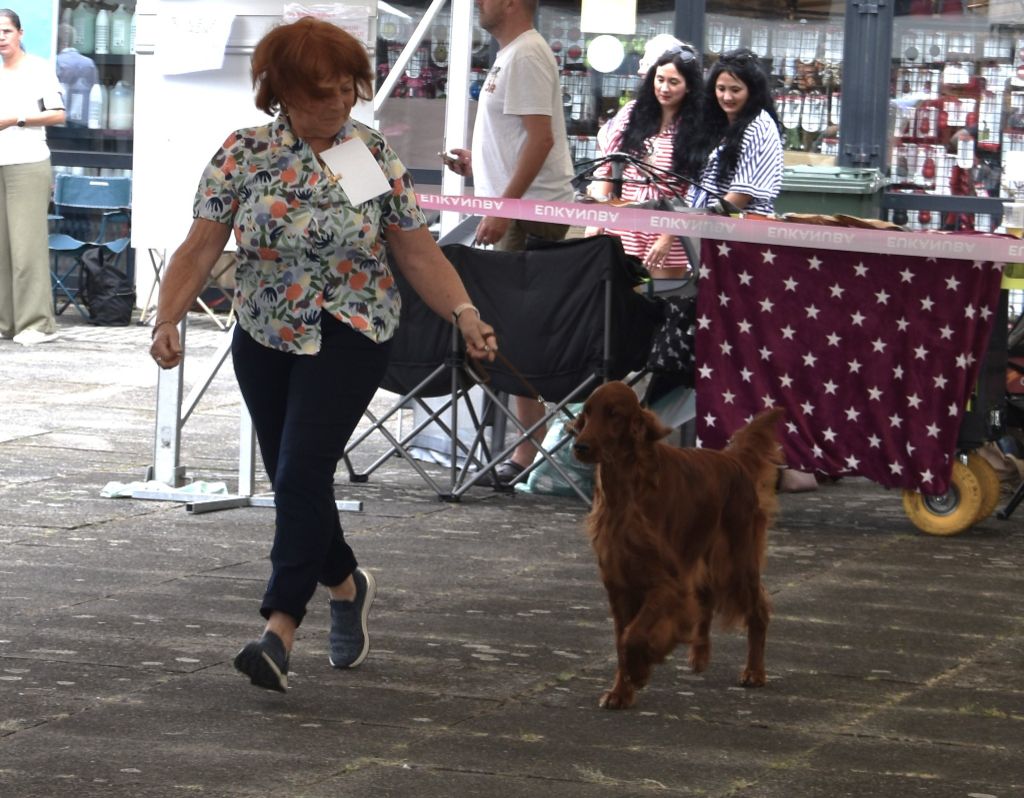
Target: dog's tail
<point>756,446</point>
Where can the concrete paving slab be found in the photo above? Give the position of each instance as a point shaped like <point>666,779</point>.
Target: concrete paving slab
<point>860,765</point>
<point>404,780</point>
<point>985,722</point>
<point>181,755</point>
<point>697,757</point>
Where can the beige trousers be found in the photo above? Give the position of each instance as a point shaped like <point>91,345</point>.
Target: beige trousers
<point>26,298</point>
<point>514,239</point>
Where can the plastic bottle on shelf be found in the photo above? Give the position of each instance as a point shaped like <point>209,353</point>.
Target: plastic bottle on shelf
<point>78,102</point>
<point>987,140</point>
<point>1013,218</point>
<point>121,106</point>
<point>98,99</point>
<point>66,30</point>
<point>131,35</point>
<point>120,31</point>
<point>102,32</point>
<point>83,20</point>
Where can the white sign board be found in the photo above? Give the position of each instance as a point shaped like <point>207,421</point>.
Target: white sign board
<point>190,39</point>
<point>182,117</point>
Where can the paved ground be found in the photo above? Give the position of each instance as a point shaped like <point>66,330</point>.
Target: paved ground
<point>895,658</point>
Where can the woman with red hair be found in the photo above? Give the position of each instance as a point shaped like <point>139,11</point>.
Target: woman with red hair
<point>317,307</point>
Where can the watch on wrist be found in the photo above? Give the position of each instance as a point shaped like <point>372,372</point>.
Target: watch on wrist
<point>21,121</point>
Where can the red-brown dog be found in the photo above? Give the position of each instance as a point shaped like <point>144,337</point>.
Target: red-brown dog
<point>680,535</point>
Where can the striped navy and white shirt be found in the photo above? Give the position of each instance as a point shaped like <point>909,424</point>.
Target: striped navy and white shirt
<point>758,170</point>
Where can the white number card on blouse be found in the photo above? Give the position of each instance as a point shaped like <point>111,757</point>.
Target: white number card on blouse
<point>353,166</point>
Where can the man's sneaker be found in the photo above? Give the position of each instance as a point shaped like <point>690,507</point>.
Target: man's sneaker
<point>501,475</point>
<point>265,662</point>
<point>349,640</point>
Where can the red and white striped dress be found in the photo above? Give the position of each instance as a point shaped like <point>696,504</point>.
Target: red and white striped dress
<point>658,151</point>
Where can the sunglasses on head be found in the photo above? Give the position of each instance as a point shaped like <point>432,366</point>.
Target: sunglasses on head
<point>739,56</point>
<point>685,52</point>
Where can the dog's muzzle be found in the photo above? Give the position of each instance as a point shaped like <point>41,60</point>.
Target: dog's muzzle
<point>582,452</point>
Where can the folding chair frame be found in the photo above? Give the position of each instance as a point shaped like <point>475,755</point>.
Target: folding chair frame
<point>478,458</point>
<point>459,371</point>
<point>158,259</point>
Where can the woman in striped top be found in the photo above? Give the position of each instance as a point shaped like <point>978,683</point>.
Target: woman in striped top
<point>660,129</point>
<point>743,136</point>
<point>745,164</point>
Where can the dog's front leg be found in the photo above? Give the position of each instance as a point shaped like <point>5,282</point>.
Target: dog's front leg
<point>700,646</point>
<point>654,632</point>
<point>621,694</point>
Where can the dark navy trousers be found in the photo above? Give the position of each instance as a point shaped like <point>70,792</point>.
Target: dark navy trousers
<point>304,409</point>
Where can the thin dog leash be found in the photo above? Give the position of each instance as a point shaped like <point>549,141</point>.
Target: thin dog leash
<point>483,377</point>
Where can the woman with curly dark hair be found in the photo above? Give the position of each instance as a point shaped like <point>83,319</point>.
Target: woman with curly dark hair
<point>659,129</point>
<point>742,134</point>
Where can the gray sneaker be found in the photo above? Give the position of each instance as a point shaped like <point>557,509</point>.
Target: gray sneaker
<point>349,641</point>
<point>265,662</point>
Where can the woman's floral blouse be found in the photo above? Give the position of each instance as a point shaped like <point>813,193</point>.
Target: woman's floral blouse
<point>302,247</point>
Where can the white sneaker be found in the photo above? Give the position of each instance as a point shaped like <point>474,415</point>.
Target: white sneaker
<point>30,337</point>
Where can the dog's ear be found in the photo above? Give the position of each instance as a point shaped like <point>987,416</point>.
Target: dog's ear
<point>647,428</point>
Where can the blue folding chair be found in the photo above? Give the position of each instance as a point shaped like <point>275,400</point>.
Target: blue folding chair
<point>88,212</point>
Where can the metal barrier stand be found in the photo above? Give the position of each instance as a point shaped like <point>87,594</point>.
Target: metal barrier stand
<point>172,412</point>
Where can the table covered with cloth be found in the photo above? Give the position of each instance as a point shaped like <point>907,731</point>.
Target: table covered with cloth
<point>873,357</point>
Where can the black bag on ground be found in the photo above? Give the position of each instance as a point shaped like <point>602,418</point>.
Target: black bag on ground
<point>107,292</point>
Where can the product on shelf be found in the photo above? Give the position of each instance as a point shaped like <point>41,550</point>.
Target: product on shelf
<point>102,37</point>
<point>120,31</point>
<point>83,20</point>
<point>121,107</point>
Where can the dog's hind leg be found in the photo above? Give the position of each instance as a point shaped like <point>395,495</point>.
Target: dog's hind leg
<point>757,631</point>
<point>700,646</point>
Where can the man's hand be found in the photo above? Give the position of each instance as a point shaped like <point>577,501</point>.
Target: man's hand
<point>491,230</point>
<point>462,164</point>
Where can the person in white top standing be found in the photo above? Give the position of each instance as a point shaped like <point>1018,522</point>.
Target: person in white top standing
<point>30,99</point>
<point>520,150</point>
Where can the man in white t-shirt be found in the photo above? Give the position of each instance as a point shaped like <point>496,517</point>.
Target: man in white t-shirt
<point>521,151</point>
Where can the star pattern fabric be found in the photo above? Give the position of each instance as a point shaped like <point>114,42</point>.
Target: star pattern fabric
<point>873,357</point>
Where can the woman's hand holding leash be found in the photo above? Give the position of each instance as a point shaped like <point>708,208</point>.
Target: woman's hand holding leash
<point>481,342</point>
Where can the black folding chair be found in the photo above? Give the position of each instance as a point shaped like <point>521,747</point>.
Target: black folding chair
<point>88,212</point>
<point>568,317</point>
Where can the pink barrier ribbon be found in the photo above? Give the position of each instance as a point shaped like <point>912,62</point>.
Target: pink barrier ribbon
<point>699,224</point>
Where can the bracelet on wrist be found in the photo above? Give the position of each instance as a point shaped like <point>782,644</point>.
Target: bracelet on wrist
<point>459,309</point>
<point>158,325</point>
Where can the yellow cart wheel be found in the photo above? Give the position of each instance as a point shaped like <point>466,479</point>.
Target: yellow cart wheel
<point>988,481</point>
<point>952,512</point>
